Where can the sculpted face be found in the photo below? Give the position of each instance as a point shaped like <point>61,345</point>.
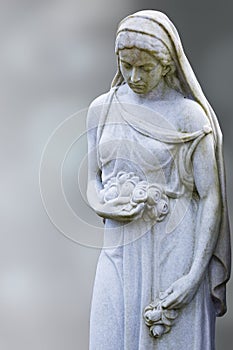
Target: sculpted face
<point>140,69</point>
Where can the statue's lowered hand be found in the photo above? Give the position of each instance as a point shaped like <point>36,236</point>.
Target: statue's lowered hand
<point>180,293</point>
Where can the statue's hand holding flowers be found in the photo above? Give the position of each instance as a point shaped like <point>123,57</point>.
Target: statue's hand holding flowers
<point>131,198</point>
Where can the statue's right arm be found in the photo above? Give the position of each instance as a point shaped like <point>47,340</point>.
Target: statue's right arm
<point>112,209</point>
<point>94,172</point>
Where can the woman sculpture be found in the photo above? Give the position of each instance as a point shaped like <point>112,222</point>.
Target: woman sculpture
<point>156,176</point>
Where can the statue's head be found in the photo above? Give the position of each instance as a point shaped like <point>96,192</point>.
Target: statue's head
<point>143,32</point>
<point>142,42</point>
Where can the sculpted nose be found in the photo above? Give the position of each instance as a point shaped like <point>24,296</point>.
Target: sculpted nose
<point>135,75</point>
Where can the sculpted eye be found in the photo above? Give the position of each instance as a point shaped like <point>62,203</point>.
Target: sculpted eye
<point>148,68</point>
<point>126,65</point>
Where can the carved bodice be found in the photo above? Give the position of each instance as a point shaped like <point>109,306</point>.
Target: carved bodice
<point>137,139</point>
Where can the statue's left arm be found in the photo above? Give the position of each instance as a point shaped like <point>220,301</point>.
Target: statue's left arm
<point>208,218</point>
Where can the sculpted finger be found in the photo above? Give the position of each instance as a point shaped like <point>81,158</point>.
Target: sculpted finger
<point>163,295</point>
<point>136,211</point>
<point>133,211</point>
<point>176,305</point>
<point>139,208</point>
<point>180,302</point>
<point>169,301</point>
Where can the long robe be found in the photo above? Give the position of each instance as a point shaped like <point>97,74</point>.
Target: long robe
<point>143,257</point>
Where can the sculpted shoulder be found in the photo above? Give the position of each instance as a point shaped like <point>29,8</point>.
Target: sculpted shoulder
<point>95,108</point>
<point>193,115</point>
<point>185,114</point>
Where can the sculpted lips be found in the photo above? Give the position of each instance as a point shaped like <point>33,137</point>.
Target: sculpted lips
<point>137,86</point>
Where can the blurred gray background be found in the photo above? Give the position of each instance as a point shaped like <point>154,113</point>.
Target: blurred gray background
<point>56,57</point>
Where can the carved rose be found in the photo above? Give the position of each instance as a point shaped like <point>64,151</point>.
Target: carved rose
<point>153,315</point>
<point>157,331</point>
<point>154,194</point>
<point>162,206</point>
<point>122,185</point>
<point>111,193</point>
<point>127,188</point>
<point>159,320</point>
<point>157,204</point>
<point>140,192</point>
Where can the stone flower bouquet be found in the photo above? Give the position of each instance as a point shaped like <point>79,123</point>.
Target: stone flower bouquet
<point>135,191</point>
<point>159,320</point>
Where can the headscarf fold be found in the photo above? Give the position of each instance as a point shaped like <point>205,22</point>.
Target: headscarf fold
<point>150,25</point>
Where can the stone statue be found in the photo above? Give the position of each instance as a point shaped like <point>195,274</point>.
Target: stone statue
<point>156,176</point>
